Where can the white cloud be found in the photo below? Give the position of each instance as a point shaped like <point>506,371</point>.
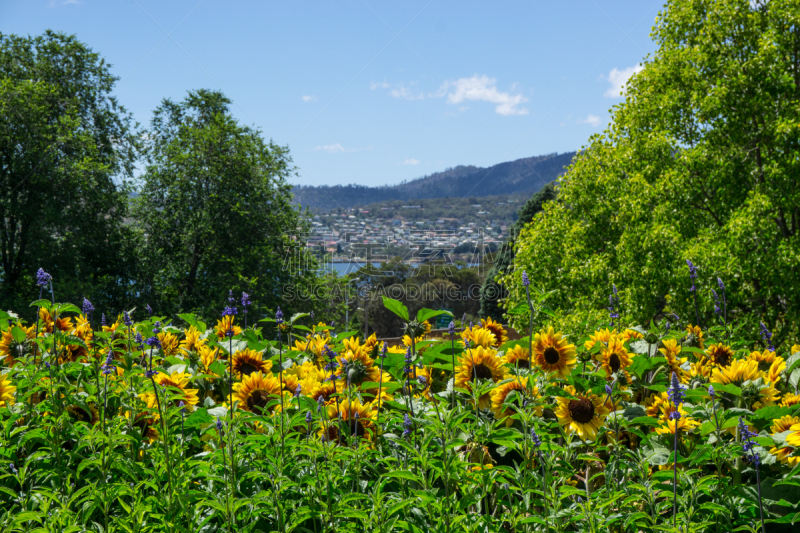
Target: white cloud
<point>55,3</point>
<point>309,98</point>
<point>332,148</point>
<point>619,79</point>
<point>592,120</point>
<point>482,88</point>
<point>411,161</point>
<point>398,90</point>
<point>379,85</point>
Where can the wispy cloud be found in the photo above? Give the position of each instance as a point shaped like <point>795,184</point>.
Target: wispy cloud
<point>56,3</point>
<point>399,90</point>
<point>592,120</point>
<point>619,79</point>
<point>337,148</point>
<point>411,161</point>
<point>309,98</point>
<point>483,88</point>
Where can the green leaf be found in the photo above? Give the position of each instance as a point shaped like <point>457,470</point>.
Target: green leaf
<point>42,303</point>
<point>426,314</point>
<point>67,308</point>
<point>519,309</point>
<point>396,307</point>
<point>192,320</point>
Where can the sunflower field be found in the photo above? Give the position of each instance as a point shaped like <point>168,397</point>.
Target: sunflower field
<point>137,424</point>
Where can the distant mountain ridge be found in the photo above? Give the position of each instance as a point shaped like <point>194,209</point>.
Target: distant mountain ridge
<point>526,175</point>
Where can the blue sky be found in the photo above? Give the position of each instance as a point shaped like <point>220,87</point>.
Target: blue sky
<point>372,92</point>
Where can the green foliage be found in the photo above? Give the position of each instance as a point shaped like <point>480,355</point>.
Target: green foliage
<point>67,149</point>
<point>698,163</point>
<point>216,210</point>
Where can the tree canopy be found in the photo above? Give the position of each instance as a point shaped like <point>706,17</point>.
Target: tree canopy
<point>701,163</point>
<point>66,150</point>
<point>214,207</point>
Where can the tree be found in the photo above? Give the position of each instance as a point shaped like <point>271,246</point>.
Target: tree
<point>66,150</point>
<point>215,208</point>
<point>700,163</point>
<point>492,292</point>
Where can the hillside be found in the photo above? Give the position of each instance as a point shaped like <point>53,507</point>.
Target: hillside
<point>523,176</point>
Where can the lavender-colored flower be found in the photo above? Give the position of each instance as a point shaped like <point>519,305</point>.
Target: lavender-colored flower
<point>309,417</point>
<point>747,440</point>
<point>297,391</point>
<point>126,319</point>
<point>153,342</point>
<point>43,278</point>
<point>138,338</point>
<point>279,316</point>
<point>11,466</point>
<point>711,392</point>
<point>721,285</point>
<point>717,308</point>
<point>451,329</point>
<point>767,336</point>
<point>103,319</point>
<point>87,307</point>
<point>229,311</point>
<point>320,403</point>
<point>183,407</point>
<point>219,424</point>
<point>609,390</point>
<point>231,299</point>
<point>47,365</point>
<point>108,368</point>
<point>149,309</point>
<point>150,374</point>
<point>333,323</point>
<point>406,425</point>
<point>311,314</point>
<point>537,442</point>
<point>666,328</point>
<point>157,327</point>
<point>692,274</point>
<point>246,301</point>
<point>675,391</point>
<point>384,349</point>
<point>525,280</point>
<point>675,415</point>
<point>423,381</point>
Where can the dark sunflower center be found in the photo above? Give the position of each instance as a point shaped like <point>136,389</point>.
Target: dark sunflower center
<point>80,415</point>
<point>724,359</point>
<point>143,425</point>
<point>258,401</point>
<point>356,428</point>
<point>582,411</point>
<point>614,362</point>
<point>523,363</point>
<point>482,371</point>
<point>247,369</point>
<point>552,356</point>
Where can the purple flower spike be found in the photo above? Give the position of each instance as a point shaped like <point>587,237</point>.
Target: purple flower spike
<point>43,278</point>
<point>87,307</point>
<point>525,280</point>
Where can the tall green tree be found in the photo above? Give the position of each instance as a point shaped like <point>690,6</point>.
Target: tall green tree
<point>66,150</point>
<point>700,162</point>
<point>215,209</point>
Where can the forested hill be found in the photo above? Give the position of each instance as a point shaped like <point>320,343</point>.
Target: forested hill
<point>526,175</point>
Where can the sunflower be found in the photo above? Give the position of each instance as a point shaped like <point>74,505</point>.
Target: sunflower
<point>372,342</point>
<point>479,363</point>
<point>700,370</point>
<point>305,370</point>
<point>169,343</point>
<point>583,414</point>
<point>773,375</point>
<point>517,357</point>
<point>324,389</point>
<point>358,418</point>
<point>500,334</point>
<point>192,341</point>
<point>615,357</point>
<point>795,349</point>
<point>419,384</point>
<point>178,380</point>
<point>764,359</point>
<point>9,348</point>
<point>683,423</point>
<point>355,366</point>
<point>790,399</point>
<point>784,423</point>
<point>407,340</point>
<point>256,391</point>
<point>64,324</point>
<point>629,334</point>
<point>207,357</point>
<point>695,334</point>
<point>793,438</point>
<point>602,336</point>
<point>767,395</point>
<point>478,336</point>
<point>224,326</point>
<point>247,361</point>
<point>146,421</point>
<point>658,405</point>
<point>784,456</point>
<point>671,351</point>
<point>378,377</point>
<point>290,384</point>
<point>719,354</point>
<point>553,353</point>
<point>79,414</point>
<point>7,391</point>
<point>503,410</point>
<point>739,371</point>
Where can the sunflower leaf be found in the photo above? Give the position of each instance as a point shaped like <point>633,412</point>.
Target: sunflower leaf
<point>396,307</point>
